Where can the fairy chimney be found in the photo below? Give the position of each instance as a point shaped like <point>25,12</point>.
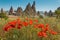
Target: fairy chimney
<point>33,8</point>
<point>11,11</point>
<point>28,10</point>
<point>19,11</point>
<point>1,10</point>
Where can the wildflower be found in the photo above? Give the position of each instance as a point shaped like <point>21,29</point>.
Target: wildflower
<point>36,26</point>
<point>53,32</point>
<point>7,28</point>
<point>12,24</point>
<point>30,22</point>
<point>25,23</point>
<point>42,34</point>
<point>46,28</point>
<point>19,27</point>
<point>47,25</point>
<point>41,26</point>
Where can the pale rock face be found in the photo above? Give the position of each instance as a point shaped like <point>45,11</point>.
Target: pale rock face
<point>33,7</point>
<point>30,10</point>
<point>2,10</point>
<point>11,11</point>
<point>19,11</point>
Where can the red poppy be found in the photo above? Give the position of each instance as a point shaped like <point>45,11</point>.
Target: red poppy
<point>25,23</point>
<point>19,27</point>
<point>19,21</point>
<point>36,26</point>
<point>47,25</point>
<point>41,26</point>
<point>7,28</point>
<point>42,34</point>
<point>30,22</point>
<point>46,28</point>
<point>12,24</point>
<point>53,32</point>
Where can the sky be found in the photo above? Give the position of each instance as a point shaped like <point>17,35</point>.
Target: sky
<point>41,5</point>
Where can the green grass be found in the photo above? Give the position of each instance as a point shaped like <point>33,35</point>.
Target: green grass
<point>30,33</point>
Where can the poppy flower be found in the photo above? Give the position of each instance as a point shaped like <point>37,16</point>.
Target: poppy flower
<point>47,25</point>
<point>53,32</point>
<point>36,26</point>
<point>7,28</point>
<point>19,21</point>
<point>30,22</point>
<point>41,26</point>
<point>46,28</point>
<point>12,24</point>
<point>42,34</point>
<point>25,23</point>
<point>19,27</point>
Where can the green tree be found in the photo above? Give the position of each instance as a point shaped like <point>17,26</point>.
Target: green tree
<point>3,15</point>
<point>57,12</point>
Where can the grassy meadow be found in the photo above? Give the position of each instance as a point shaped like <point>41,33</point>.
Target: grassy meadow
<point>30,33</point>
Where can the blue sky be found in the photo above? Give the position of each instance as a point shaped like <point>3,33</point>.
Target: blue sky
<point>41,5</point>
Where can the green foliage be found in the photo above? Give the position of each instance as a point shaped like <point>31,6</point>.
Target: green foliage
<point>3,15</point>
<point>57,12</point>
<point>14,34</point>
<point>30,33</point>
<point>40,16</point>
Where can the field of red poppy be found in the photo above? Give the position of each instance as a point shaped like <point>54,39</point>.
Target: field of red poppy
<point>30,29</point>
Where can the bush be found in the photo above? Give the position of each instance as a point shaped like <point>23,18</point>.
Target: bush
<point>3,15</point>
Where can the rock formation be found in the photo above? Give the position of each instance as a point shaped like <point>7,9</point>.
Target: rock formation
<point>33,8</point>
<point>45,13</point>
<point>58,8</point>
<point>50,13</point>
<point>28,10</point>
<point>19,11</point>
<point>11,11</point>
<point>38,13</point>
<point>2,10</point>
